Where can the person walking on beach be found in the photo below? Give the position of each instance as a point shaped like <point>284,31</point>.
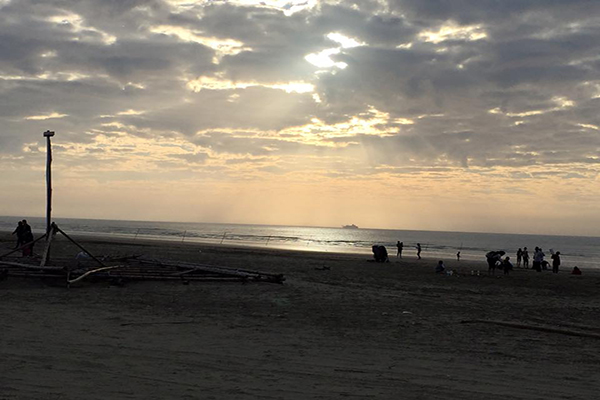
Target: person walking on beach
<point>419,250</point>
<point>19,232</point>
<point>555,262</point>
<point>458,256</point>
<point>400,246</point>
<point>519,256</point>
<point>525,256</point>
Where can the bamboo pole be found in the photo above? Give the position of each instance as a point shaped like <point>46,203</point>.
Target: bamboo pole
<point>69,281</point>
<point>223,238</point>
<point>48,135</point>
<point>25,274</point>
<point>218,270</point>
<point>46,254</point>
<point>29,266</point>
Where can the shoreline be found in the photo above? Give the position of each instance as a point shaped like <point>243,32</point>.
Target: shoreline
<point>409,253</point>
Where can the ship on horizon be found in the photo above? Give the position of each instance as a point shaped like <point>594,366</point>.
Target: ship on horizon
<point>349,226</point>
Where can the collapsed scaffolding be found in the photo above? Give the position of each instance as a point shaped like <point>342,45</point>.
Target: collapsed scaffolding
<point>120,269</point>
<point>112,269</point>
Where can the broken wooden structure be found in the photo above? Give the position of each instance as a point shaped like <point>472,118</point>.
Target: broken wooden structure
<point>112,269</point>
<point>119,269</point>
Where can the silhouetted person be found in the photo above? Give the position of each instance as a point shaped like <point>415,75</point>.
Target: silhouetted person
<point>576,271</point>
<point>525,256</point>
<point>545,265</point>
<point>400,246</point>
<point>493,257</point>
<point>27,238</point>
<point>26,227</point>
<point>440,268</point>
<point>538,258</point>
<point>19,232</point>
<point>419,250</point>
<point>380,253</point>
<point>555,262</point>
<point>519,256</point>
<point>458,256</point>
<point>506,265</point>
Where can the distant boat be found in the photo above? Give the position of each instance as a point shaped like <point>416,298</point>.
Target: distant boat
<point>350,226</point>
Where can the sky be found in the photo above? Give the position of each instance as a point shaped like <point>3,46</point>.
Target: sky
<point>401,114</point>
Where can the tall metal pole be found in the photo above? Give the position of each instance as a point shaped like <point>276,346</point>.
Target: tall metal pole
<point>48,135</point>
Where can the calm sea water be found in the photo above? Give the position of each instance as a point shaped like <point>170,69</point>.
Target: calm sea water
<point>575,250</point>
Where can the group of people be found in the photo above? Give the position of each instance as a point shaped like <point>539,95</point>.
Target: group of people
<point>538,263</point>
<point>381,255</point>
<point>24,237</point>
<point>400,246</point>
<point>494,258</point>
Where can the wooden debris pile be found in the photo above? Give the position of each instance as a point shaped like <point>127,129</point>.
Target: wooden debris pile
<point>122,269</point>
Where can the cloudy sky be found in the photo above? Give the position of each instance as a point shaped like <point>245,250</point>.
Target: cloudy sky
<point>410,114</point>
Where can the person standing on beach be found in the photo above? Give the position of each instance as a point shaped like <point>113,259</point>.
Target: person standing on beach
<point>519,255</point>
<point>538,259</point>
<point>27,238</point>
<point>506,265</point>
<point>458,256</point>
<point>400,246</point>
<point>19,232</point>
<point>555,262</point>
<point>525,256</point>
<point>26,228</point>
<point>419,250</point>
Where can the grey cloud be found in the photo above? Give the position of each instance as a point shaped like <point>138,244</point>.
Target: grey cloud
<point>226,143</point>
<point>535,52</point>
<point>192,158</point>
<point>374,29</point>
<point>468,12</point>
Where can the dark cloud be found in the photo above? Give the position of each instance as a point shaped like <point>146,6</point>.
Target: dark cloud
<point>492,11</point>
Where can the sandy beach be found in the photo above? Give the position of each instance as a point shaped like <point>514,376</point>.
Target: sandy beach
<point>354,329</point>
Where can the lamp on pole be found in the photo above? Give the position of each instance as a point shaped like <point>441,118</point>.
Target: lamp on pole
<point>48,135</point>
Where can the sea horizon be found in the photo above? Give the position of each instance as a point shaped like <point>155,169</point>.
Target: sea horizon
<point>575,250</point>
<point>18,218</point>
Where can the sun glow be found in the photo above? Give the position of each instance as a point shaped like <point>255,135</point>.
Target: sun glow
<point>221,46</point>
<point>454,31</point>
<point>212,83</point>
<point>344,41</point>
<point>43,117</point>
<point>561,102</point>
<point>323,59</point>
<point>76,24</point>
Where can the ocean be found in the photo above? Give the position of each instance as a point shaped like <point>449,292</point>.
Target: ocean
<point>575,250</point>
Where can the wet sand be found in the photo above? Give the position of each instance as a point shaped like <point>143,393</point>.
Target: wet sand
<point>356,330</point>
